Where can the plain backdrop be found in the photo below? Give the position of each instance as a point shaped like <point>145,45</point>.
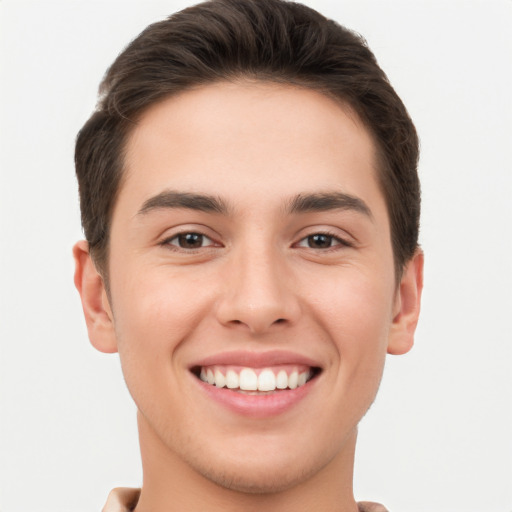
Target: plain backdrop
<point>438,438</point>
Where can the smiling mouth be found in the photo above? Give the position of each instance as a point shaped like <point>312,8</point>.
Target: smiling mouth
<point>256,380</point>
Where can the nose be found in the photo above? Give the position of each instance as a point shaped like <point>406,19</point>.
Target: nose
<point>258,293</point>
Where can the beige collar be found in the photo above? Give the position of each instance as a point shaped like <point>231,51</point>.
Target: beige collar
<point>124,499</point>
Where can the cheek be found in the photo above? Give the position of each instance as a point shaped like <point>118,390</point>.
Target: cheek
<point>154,301</point>
<point>365,353</point>
<point>154,314</point>
<point>356,308</point>
<point>357,314</point>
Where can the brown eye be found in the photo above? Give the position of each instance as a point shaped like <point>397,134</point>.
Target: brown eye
<point>320,241</point>
<point>190,241</point>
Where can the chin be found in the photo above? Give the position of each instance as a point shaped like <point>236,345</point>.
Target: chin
<point>261,471</point>
<point>250,480</point>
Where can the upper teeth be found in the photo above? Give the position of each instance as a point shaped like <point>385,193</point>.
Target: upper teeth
<point>247,379</point>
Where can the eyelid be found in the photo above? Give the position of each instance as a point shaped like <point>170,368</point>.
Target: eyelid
<point>337,242</point>
<point>177,235</point>
<point>166,239</point>
<point>343,239</point>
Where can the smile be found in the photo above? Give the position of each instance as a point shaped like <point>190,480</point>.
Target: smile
<point>256,385</point>
<point>256,380</point>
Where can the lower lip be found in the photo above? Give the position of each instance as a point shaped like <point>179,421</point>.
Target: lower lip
<point>257,406</point>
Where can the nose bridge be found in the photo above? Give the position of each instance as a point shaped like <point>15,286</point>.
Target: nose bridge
<point>258,290</point>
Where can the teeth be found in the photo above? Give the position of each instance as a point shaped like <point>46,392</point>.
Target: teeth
<point>247,379</point>
<point>282,380</point>
<point>266,381</point>
<point>293,380</point>
<point>232,380</point>
<point>220,380</point>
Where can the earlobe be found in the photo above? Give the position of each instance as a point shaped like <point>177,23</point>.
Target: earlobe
<point>408,301</point>
<point>95,304</point>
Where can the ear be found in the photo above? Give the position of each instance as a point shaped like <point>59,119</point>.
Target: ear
<point>97,311</point>
<point>407,306</point>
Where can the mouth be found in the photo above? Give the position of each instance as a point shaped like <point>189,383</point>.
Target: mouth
<point>256,381</point>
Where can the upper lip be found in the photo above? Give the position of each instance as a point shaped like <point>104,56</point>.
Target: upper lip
<point>256,359</point>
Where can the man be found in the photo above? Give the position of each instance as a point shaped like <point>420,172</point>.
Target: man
<point>250,201</point>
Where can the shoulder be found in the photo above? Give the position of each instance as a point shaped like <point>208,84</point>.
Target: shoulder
<point>370,506</point>
<point>122,499</point>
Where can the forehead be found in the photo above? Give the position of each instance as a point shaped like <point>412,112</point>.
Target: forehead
<point>225,137</point>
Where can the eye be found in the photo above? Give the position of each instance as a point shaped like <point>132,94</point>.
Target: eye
<point>321,241</point>
<point>190,241</point>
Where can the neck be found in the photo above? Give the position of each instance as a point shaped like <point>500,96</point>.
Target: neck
<point>171,484</point>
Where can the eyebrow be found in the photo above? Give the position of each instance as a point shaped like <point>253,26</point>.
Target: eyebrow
<point>325,201</point>
<point>190,201</point>
<point>302,203</point>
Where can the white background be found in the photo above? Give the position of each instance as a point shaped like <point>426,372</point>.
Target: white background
<point>438,439</point>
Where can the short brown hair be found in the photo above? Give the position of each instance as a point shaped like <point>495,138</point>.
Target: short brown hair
<point>269,40</point>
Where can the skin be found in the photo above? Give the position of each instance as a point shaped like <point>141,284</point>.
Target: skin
<point>257,282</point>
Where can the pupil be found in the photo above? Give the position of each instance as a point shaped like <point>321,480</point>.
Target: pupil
<point>191,240</point>
<point>319,241</point>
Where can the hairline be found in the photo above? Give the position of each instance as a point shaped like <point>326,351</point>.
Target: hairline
<point>129,125</point>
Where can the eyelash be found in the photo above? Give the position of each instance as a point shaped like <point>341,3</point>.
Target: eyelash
<point>333,238</point>
<point>334,241</point>
<point>181,236</point>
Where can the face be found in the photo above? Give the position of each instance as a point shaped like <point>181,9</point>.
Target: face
<point>252,293</point>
